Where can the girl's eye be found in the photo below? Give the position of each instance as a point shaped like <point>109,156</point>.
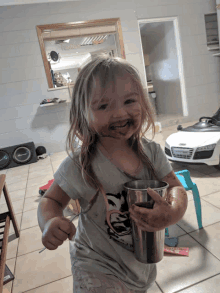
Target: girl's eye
<point>103,107</point>
<point>131,101</point>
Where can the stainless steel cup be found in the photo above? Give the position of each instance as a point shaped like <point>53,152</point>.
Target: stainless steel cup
<point>148,246</point>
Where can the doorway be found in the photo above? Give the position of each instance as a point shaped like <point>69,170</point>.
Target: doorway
<point>162,57</point>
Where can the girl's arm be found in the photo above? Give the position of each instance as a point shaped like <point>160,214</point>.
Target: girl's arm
<point>176,197</point>
<point>52,205</point>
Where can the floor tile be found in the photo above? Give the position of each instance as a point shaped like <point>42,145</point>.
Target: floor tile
<point>210,215</point>
<point>56,165</point>
<point>17,195</point>
<point>11,179</point>
<point>12,248</point>
<point>63,285</point>
<point>36,269</point>
<point>38,173</point>
<point>40,168</point>
<point>11,265</point>
<point>40,181</point>
<point>209,237</point>
<point>18,170</point>
<point>31,203</point>
<point>3,171</point>
<point>154,289</point>
<point>2,201</point>
<point>216,174</point>
<point>213,198</point>
<point>206,169</point>
<point>194,173</point>
<point>29,219</point>
<point>41,164</point>
<point>189,195</point>
<point>185,271</point>
<point>33,190</point>
<point>210,285</point>
<point>17,206</point>
<point>58,156</point>
<point>30,240</point>
<point>17,186</point>
<point>175,231</point>
<point>207,185</point>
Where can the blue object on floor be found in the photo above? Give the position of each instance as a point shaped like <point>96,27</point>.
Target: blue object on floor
<point>172,242</point>
<point>185,179</point>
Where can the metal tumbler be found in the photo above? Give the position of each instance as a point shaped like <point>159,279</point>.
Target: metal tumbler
<point>148,246</point>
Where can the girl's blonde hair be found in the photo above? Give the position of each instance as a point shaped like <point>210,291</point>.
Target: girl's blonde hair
<point>106,69</point>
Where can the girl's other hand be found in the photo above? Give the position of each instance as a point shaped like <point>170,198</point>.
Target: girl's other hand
<point>156,219</point>
<point>56,231</point>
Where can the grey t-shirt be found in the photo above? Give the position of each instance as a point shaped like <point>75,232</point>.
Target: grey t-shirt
<point>96,247</point>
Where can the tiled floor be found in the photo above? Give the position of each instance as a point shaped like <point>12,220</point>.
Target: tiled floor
<point>50,272</point>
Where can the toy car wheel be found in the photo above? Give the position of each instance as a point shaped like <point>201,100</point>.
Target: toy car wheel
<point>41,192</point>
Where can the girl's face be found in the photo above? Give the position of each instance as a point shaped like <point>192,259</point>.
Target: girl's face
<point>117,116</point>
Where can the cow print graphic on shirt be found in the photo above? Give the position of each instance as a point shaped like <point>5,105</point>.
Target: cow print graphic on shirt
<point>120,223</point>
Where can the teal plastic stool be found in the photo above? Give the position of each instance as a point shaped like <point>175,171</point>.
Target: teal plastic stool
<point>185,179</point>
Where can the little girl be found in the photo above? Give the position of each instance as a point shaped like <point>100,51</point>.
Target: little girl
<point>110,114</point>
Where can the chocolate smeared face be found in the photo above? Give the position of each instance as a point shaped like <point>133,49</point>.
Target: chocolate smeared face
<point>120,129</point>
<point>116,114</point>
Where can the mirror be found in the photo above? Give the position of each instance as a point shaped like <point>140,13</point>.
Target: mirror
<point>67,47</point>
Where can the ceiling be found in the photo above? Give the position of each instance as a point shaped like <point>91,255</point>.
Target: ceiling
<point>22,2</point>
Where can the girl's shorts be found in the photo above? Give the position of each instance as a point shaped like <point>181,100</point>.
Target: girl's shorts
<point>95,282</point>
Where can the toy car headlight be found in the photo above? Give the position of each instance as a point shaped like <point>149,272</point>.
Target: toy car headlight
<point>209,147</point>
<point>166,145</point>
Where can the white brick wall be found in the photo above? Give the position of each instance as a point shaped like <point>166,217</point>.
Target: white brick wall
<point>23,82</point>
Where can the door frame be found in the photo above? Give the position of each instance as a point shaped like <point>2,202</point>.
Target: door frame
<point>179,56</point>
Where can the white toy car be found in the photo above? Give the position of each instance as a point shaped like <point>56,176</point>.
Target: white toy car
<point>195,144</point>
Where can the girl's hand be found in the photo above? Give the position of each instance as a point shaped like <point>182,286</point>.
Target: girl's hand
<point>156,219</point>
<point>56,231</point>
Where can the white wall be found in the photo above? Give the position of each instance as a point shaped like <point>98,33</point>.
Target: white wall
<point>23,82</point>
<point>159,43</point>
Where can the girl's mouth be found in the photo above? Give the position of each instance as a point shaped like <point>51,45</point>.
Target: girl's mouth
<point>128,123</point>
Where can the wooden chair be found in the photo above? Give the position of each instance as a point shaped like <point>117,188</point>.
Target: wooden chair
<point>5,223</point>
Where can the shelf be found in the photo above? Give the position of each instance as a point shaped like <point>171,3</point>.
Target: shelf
<point>54,104</point>
<point>60,88</point>
<point>216,55</point>
<point>214,48</point>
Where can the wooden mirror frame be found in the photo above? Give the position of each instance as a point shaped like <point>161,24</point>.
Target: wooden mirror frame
<point>78,25</point>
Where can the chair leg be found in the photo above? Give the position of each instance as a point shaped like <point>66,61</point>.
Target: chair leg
<point>11,210</point>
<point>197,204</point>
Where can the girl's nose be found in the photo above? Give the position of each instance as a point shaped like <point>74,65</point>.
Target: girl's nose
<point>118,108</point>
<point>119,112</point>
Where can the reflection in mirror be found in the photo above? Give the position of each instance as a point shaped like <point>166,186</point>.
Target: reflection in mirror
<point>67,56</point>
<point>67,47</point>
